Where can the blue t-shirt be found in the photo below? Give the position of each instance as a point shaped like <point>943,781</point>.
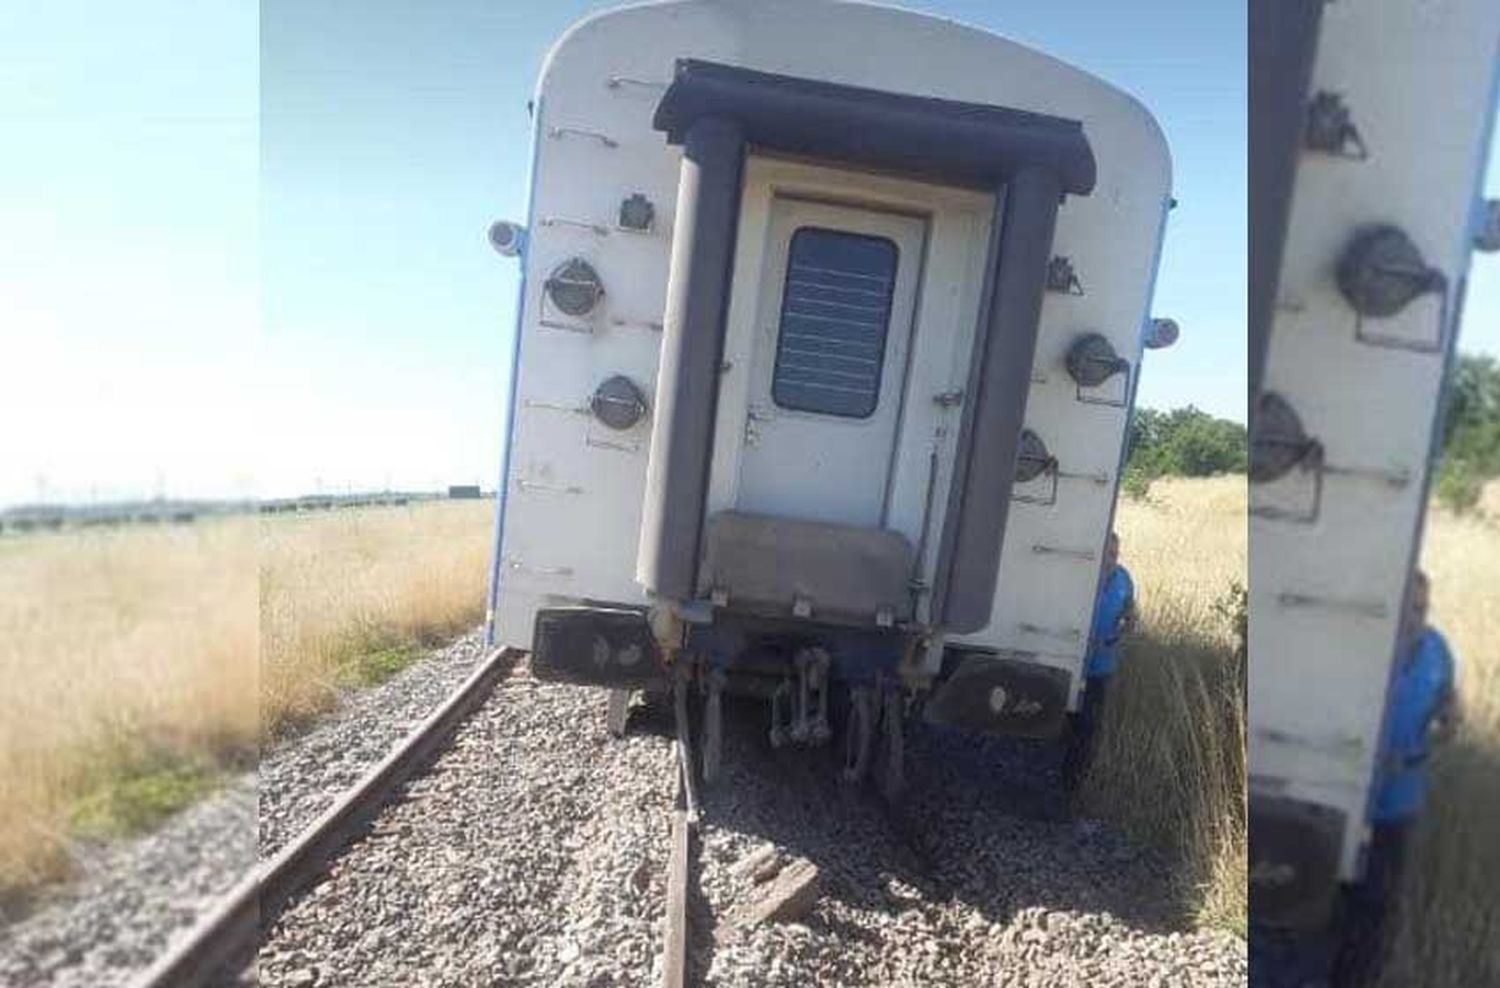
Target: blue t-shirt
<point>1115,598</point>
<point>1420,689</point>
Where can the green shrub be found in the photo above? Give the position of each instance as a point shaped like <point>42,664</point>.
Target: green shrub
<point>1459,485</point>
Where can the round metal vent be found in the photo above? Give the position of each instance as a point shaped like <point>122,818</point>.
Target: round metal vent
<point>618,403</point>
<point>1277,440</point>
<point>1381,271</point>
<point>1032,459</point>
<point>574,287</point>
<point>1092,360</point>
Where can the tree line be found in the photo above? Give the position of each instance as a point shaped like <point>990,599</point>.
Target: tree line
<point>1471,431</point>
<point>1189,442</point>
<point>1183,442</point>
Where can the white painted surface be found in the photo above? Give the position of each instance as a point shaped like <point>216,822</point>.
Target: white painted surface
<point>1418,78</point>
<point>574,511</point>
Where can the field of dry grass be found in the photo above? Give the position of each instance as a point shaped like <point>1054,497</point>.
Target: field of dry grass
<point>1449,929</point>
<point>142,663</point>
<point>347,596</point>
<point>1171,759</point>
<point>130,661</point>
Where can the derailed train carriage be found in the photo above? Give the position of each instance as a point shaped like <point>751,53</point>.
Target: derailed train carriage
<point>830,327</point>
<point>1370,127</point>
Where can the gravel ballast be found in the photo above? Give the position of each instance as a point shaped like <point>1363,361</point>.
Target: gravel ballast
<point>130,899</point>
<point>534,854</point>
<point>303,775</point>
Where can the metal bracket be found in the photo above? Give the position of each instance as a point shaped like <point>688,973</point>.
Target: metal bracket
<point>1380,273</point>
<point>582,329</point>
<point>558,133</point>
<point>556,406</point>
<point>1330,128</point>
<point>622,322</point>
<point>621,81</point>
<point>1042,549</point>
<point>1119,402</point>
<point>1315,462</point>
<point>1062,278</point>
<point>1395,477</point>
<point>1311,460</point>
<point>602,231</point>
<point>515,563</point>
<point>1046,500</point>
<point>623,446</point>
<point>1390,342</point>
<point>1101,478</point>
<point>543,487</point>
<point>1361,608</point>
<point>1059,634</point>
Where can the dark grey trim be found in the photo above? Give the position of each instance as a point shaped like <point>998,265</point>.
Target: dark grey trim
<point>967,143</point>
<point>687,382</point>
<point>968,560</point>
<point>1283,41</point>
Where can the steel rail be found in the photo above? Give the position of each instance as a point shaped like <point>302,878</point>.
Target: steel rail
<point>231,933</point>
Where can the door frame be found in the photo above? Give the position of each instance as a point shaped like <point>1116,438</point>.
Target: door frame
<point>947,306</point>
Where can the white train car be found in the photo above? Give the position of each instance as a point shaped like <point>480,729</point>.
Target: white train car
<point>830,325</point>
<point>1370,126</point>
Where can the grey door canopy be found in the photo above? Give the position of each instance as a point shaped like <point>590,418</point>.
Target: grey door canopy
<point>957,143</point>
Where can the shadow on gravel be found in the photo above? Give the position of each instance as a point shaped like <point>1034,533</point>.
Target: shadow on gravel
<point>984,823</point>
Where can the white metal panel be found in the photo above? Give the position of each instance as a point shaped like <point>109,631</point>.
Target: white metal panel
<point>596,94</point>
<point>1326,596</point>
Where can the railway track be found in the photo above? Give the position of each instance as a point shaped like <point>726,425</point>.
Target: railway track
<point>224,942</point>
<point>925,898</point>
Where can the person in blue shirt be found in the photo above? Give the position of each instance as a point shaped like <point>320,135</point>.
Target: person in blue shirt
<point>1419,709</point>
<point>1114,614</point>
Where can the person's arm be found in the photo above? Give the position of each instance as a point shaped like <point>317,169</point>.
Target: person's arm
<point>1445,718</point>
<point>1443,722</point>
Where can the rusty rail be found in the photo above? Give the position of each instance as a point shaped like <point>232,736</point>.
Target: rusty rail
<point>231,934</point>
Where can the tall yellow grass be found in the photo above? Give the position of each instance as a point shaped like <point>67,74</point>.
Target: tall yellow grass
<point>193,643</point>
<point>1171,760</point>
<point>116,646</point>
<point>351,582</point>
<point>1448,932</point>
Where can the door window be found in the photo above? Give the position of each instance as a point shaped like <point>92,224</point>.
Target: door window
<point>835,313</point>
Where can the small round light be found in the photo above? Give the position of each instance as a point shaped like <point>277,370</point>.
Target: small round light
<point>508,239</point>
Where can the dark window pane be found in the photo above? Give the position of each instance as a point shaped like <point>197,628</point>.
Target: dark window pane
<point>835,311</point>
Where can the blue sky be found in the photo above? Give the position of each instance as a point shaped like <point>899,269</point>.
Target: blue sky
<point>251,254</point>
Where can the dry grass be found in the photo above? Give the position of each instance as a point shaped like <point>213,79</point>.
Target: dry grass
<point>120,650</point>
<point>1449,928</point>
<point>344,595</point>
<point>130,656</point>
<point>1171,760</point>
